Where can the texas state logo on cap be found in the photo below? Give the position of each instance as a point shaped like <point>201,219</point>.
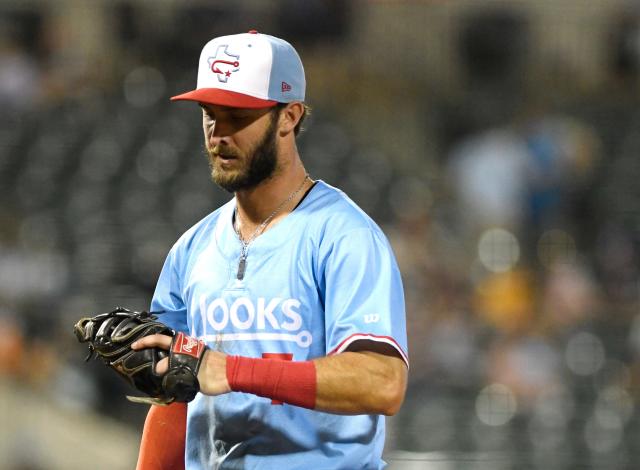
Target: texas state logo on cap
<point>249,70</point>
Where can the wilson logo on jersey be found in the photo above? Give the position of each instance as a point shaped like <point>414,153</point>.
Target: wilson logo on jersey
<point>223,64</point>
<point>242,320</point>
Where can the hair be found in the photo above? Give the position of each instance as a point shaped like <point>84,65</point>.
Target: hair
<point>307,111</point>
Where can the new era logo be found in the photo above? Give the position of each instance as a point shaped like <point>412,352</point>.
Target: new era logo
<point>285,87</point>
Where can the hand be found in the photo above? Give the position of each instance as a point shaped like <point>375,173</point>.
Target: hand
<point>213,370</point>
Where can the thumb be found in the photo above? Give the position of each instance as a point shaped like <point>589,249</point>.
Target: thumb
<point>162,366</point>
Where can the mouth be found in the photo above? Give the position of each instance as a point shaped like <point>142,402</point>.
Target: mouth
<point>225,158</point>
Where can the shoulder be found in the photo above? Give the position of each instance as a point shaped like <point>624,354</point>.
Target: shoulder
<point>333,214</point>
<point>199,233</point>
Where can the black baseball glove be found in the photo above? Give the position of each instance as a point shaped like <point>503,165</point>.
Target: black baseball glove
<point>110,336</point>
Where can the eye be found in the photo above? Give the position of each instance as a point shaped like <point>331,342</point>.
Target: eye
<point>239,116</point>
<point>207,113</point>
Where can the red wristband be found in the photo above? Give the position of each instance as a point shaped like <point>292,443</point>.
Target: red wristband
<point>289,382</point>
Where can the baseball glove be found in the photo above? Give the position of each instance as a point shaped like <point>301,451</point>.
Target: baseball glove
<point>110,336</point>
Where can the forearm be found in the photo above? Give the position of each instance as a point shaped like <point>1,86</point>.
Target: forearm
<point>352,382</point>
<point>360,383</point>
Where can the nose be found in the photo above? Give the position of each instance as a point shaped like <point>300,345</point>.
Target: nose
<point>215,134</point>
<point>215,141</point>
<point>219,132</point>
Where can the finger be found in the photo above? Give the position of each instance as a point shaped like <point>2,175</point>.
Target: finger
<point>163,366</point>
<point>152,341</point>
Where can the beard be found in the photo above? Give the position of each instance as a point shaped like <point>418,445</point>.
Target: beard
<point>260,164</point>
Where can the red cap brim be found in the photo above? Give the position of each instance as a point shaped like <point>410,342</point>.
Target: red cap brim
<point>224,98</point>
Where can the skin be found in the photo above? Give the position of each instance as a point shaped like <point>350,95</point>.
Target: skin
<point>237,169</point>
<point>370,377</point>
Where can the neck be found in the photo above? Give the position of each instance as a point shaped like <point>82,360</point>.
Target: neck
<point>256,204</point>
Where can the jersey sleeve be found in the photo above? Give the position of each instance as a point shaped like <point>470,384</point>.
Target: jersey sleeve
<point>364,298</point>
<point>167,297</point>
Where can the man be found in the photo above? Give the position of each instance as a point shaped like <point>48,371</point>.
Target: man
<point>294,289</point>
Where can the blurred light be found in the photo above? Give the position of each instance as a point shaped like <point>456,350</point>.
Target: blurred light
<point>584,354</point>
<point>157,161</point>
<point>506,300</point>
<point>614,373</point>
<point>94,226</point>
<point>436,415</point>
<point>326,150</point>
<point>546,460</point>
<point>153,227</point>
<point>151,240</point>
<point>73,391</point>
<point>144,86</point>
<point>96,262</point>
<point>452,347</point>
<point>76,306</point>
<point>607,418</point>
<point>362,189</point>
<point>188,207</point>
<point>603,437</point>
<point>134,297</point>
<point>101,159</point>
<point>193,195</point>
<point>138,199</point>
<point>27,274</point>
<point>634,335</point>
<point>614,403</point>
<point>48,154</point>
<point>554,406</point>
<point>556,246</point>
<point>147,260</point>
<point>545,437</point>
<point>40,232</point>
<point>551,413</point>
<point>496,405</point>
<point>374,164</point>
<point>125,124</point>
<point>174,128</point>
<point>410,198</point>
<point>85,199</point>
<point>9,139</point>
<point>498,250</point>
<point>490,438</point>
<point>332,139</point>
<point>35,189</point>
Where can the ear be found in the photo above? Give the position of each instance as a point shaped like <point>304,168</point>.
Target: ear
<point>290,116</point>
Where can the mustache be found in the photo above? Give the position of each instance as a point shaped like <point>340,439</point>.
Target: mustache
<point>219,151</point>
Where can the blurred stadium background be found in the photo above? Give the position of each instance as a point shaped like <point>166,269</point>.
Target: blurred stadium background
<point>496,142</point>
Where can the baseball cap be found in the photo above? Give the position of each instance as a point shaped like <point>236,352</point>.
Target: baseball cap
<point>249,70</point>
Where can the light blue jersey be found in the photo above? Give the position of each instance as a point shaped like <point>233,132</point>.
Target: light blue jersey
<point>319,280</point>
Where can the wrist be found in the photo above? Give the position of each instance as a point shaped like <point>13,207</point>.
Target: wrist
<point>290,382</point>
<point>212,375</point>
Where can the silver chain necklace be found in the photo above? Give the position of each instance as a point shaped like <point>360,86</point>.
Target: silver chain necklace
<point>244,245</point>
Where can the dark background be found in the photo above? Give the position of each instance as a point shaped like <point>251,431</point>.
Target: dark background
<point>495,142</point>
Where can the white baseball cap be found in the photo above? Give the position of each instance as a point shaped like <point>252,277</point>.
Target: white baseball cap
<point>249,70</point>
